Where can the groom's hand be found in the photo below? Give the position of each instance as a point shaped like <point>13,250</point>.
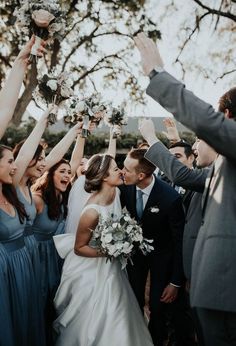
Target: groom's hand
<point>169,294</point>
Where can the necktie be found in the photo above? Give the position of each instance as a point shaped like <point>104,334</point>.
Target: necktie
<point>139,203</point>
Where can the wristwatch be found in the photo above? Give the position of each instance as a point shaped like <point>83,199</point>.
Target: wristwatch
<point>155,71</point>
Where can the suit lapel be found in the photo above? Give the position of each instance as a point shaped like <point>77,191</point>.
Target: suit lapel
<point>153,197</point>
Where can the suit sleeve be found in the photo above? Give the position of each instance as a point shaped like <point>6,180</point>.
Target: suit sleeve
<point>176,222</point>
<point>199,116</point>
<point>177,172</point>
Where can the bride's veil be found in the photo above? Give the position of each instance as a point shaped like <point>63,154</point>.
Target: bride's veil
<point>78,197</point>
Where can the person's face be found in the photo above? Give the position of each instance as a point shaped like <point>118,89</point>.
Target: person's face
<point>130,174</point>
<point>81,169</point>
<point>179,153</point>
<point>35,168</point>
<point>62,177</point>
<point>7,167</point>
<point>205,154</point>
<point>115,176</point>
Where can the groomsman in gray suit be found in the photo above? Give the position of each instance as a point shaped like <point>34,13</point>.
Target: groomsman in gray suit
<point>213,267</point>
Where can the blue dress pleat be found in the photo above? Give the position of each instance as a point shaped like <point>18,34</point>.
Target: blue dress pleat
<point>23,290</point>
<point>51,264</point>
<point>6,326</point>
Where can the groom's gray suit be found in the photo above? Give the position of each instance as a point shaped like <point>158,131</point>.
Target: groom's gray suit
<point>213,268</point>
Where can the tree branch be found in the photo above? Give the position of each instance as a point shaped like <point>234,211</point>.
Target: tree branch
<point>217,12</point>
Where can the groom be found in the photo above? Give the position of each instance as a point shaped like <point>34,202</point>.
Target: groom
<point>158,208</point>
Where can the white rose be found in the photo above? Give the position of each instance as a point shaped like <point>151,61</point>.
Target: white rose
<point>42,18</point>
<point>108,238</point>
<point>65,91</point>
<point>52,84</point>
<point>55,27</point>
<point>80,106</point>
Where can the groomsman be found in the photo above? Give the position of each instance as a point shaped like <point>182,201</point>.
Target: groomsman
<point>158,208</point>
<point>213,267</point>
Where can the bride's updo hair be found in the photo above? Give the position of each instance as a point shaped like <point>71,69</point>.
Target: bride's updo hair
<point>98,169</point>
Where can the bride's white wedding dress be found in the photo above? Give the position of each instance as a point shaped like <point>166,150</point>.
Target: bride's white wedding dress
<point>94,302</point>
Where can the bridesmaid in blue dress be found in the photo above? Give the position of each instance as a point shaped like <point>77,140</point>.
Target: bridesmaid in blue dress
<point>19,310</point>
<point>50,195</point>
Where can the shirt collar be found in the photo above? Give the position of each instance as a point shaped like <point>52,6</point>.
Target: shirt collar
<point>147,190</point>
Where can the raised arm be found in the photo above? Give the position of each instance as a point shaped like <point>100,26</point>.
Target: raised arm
<point>111,150</point>
<point>218,131</point>
<point>57,153</point>
<point>29,147</point>
<point>10,92</point>
<point>177,172</point>
<point>87,224</point>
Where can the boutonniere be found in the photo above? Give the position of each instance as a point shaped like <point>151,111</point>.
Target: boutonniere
<point>154,210</point>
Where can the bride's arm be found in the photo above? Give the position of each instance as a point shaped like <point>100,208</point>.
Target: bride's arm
<point>87,224</point>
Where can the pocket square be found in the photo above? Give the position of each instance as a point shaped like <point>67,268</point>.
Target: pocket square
<point>154,210</point>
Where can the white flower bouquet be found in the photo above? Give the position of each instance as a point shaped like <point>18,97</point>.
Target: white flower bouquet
<point>119,238</point>
<point>115,118</point>
<point>88,109</point>
<point>53,89</point>
<point>43,18</point>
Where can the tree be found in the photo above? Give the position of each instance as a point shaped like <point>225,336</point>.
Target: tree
<point>96,47</point>
<point>205,37</point>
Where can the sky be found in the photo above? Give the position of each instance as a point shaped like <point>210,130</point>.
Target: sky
<point>196,52</point>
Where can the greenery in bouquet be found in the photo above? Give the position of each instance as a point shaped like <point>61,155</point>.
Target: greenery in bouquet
<point>88,109</point>
<point>120,237</point>
<point>53,89</point>
<point>43,18</point>
<point>115,118</point>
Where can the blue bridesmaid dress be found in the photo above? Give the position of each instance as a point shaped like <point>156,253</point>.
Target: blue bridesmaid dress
<point>23,290</point>
<point>51,264</point>
<point>6,326</point>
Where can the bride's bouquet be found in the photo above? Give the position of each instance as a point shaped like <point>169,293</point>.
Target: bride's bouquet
<point>53,89</point>
<point>120,238</point>
<point>43,18</point>
<point>89,109</point>
<point>115,118</point>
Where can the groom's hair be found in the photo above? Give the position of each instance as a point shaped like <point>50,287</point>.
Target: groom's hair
<point>144,166</point>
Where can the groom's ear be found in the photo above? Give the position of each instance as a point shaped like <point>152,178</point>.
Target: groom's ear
<point>141,176</point>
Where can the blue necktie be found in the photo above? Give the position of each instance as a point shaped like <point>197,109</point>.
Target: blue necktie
<point>139,204</point>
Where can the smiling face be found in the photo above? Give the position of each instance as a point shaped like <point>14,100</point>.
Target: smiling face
<point>62,177</point>
<point>205,154</point>
<point>35,168</point>
<point>7,166</point>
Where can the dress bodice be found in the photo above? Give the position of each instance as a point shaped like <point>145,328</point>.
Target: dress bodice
<point>44,225</point>
<point>10,226</point>
<point>29,206</point>
<point>107,210</point>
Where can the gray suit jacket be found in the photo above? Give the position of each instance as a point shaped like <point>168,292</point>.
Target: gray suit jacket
<point>190,179</point>
<point>214,260</point>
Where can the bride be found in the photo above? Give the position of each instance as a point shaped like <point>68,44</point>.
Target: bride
<point>95,304</point>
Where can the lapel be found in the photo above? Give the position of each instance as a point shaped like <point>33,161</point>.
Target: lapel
<point>207,191</point>
<point>131,200</point>
<point>153,198</point>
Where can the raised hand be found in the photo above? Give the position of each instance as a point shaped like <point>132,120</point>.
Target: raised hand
<point>171,130</point>
<point>24,54</point>
<point>150,56</point>
<point>147,130</point>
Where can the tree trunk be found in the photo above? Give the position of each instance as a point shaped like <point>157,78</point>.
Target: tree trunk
<point>26,96</point>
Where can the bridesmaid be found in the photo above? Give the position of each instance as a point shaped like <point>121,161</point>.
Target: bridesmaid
<point>18,285</point>
<point>50,195</point>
